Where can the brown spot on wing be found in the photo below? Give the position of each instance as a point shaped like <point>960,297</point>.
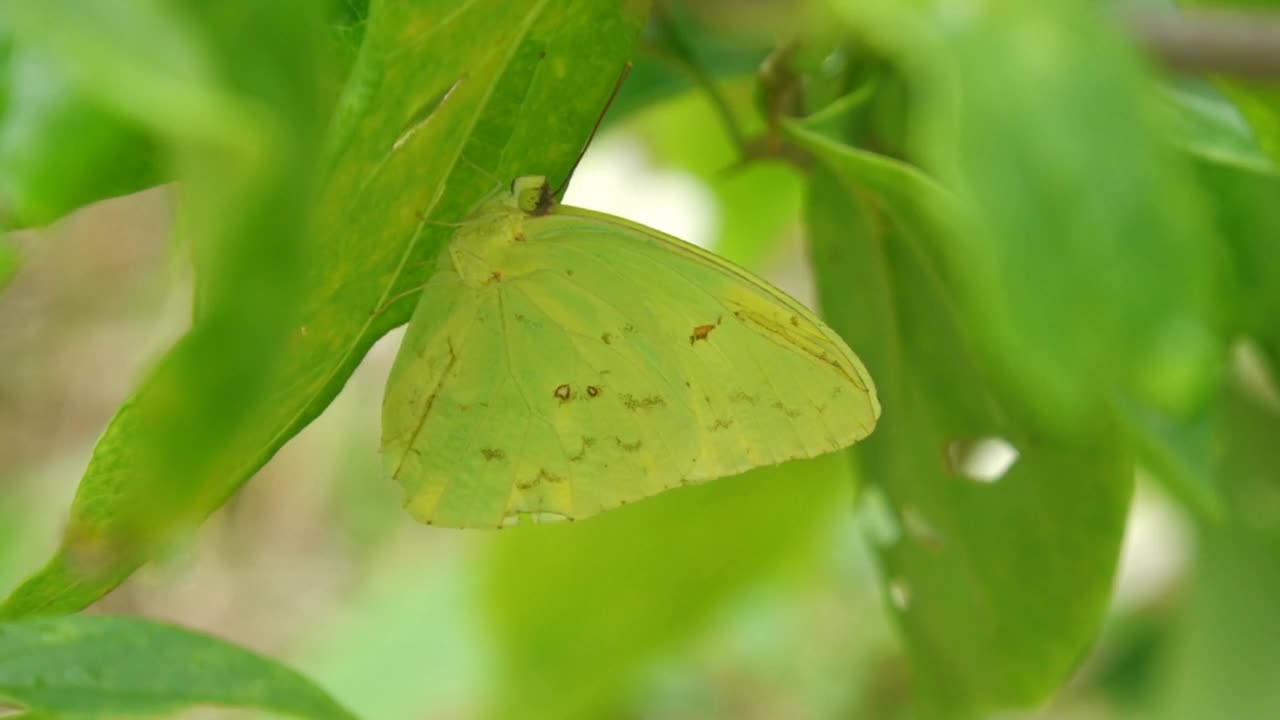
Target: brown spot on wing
<point>700,333</point>
<point>631,402</point>
<point>628,446</point>
<point>587,444</point>
<point>431,401</point>
<point>789,412</point>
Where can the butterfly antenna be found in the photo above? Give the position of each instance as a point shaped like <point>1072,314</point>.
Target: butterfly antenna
<point>622,77</point>
<point>482,171</point>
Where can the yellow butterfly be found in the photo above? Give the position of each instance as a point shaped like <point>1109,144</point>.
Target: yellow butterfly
<point>562,362</point>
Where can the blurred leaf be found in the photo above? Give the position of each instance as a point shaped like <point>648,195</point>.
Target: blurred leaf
<point>579,608</point>
<point>1261,105</point>
<point>1258,101</point>
<point>1177,451</point>
<point>496,88</point>
<point>1240,195</point>
<point>1246,208</point>
<point>246,187</point>
<point>102,667</point>
<point>1209,126</point>
<point>408,644</point>
<point>1077,244</point>
<point>757,201</point>
<point>999,586</point>
<point>1224,651</point>
<point>661,73</point>
<point>1093,273</point>
<point>145,60</point>
<point>43,175</point>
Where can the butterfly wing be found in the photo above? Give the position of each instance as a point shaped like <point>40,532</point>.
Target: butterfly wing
<point>605,363</point>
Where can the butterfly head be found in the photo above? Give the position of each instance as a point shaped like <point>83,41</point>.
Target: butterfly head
<point>533,194</point>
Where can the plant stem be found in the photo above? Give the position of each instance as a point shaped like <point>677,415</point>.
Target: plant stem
<point>1237,43</point>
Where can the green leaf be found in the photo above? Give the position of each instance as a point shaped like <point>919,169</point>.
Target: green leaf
<point>1177,451</point>
<point>245,194</point>
<point>146,61</point>
<point>1245,208</point>
<point>102,667</point>
<point>1259,102</point>
<point>1075,242</point>
<point>513,88</point>
<point>579,608</point>
<point>999,586</point>
<point>679,51</point>
<point>1094,271</point>
<point>42,175</point>
<point>1223,651</point>
<point>1210,127</point>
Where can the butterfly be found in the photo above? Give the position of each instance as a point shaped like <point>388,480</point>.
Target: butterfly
<point>562,362</point>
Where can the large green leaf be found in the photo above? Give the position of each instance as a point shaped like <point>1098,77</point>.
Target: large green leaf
<point>578,608</point>
<point>513,88</point>
<point>86,667</point>
<point>999,587</point>
<point>1082,254</point>
<point>1093,272</point>
<point>244,142</point>
<point>245,194</point>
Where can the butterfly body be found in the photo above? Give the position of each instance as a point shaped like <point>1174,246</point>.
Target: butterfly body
<point>562,362</point>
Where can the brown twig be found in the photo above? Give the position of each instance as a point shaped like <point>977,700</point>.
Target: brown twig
<point>1237,43</point>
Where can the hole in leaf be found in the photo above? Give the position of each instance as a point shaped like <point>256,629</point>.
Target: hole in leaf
<point>900,594</point>
<point>984,460</point>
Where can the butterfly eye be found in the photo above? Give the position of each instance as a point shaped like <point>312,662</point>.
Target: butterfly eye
<point>529,192</point>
